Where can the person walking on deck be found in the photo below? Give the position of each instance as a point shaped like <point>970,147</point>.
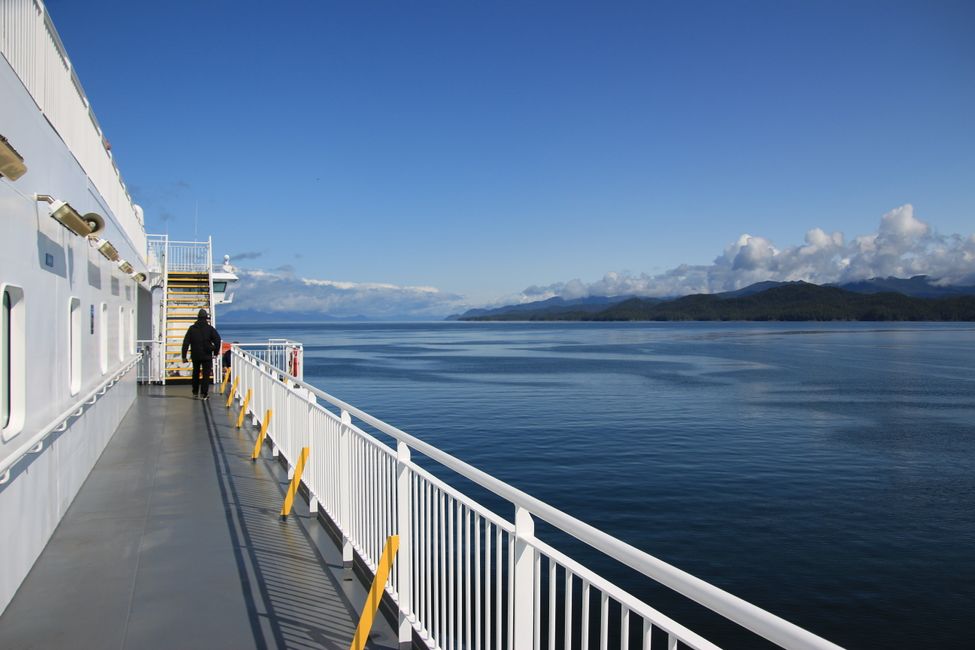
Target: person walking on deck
<point>203,341</point>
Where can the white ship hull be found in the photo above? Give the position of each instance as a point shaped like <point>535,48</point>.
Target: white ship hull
<point>44,270</point>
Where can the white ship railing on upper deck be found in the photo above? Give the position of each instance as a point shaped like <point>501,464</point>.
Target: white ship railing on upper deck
<point>32,47</point>
<point>285,355</point>
<point>156,252</point>
<point>466,577</point>
<point>191,256</point>
<point>150,367</point>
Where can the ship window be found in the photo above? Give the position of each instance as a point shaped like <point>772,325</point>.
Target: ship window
<point>12,361</point>
<point>219,287</point>
<point>131,331</point>
<point>121,334</point>
<point>74,345</point>
<point>5,356</point>
<point>103,339</point>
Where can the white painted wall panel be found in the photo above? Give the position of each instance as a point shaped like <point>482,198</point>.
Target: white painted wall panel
<point>51,265</point>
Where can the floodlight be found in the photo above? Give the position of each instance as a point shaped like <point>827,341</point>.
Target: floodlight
<point>11,163</point>
<point>139,277</point>
<point>68,217</point>
<point>126,267</point>
<point>107,250</point>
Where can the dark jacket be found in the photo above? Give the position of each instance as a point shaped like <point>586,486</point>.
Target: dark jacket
<point>203,339</point>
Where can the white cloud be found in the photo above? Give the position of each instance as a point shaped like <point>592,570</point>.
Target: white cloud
<point>280,290</point>
<point>903,246</point>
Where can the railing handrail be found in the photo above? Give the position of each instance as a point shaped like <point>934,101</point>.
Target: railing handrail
<point>733,608</point>
<point>686,635</point>
<point>188,243</point>
<point>92,396</point>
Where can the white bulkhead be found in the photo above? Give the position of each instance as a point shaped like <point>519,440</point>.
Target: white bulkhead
<point>70,310</point>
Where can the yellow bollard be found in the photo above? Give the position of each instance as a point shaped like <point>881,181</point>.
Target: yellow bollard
<point>260,436</point>
<point>289,498</point>
<point>233,391</point>
<point>243,409</point>
<point>226,378</point>
<point>375,593</point>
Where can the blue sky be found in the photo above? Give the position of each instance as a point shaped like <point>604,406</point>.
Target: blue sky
<point>482,148</point>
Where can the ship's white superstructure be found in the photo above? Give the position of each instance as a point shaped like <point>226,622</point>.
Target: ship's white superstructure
<point>70,302</point>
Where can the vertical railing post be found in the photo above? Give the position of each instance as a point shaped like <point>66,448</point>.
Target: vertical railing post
<point>404,561</point>
<point>524,580</point>
<point>277,406</point>
<point>291,433</point>
<point>345,490</point>
<point>312,481</point>
<point>265,389</point>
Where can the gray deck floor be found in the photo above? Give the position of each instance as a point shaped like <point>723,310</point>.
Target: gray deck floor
<point>175,542</point>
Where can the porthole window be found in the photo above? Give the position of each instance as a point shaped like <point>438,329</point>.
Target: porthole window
<point>74,346</point>
<point>13,364</point>
<point>5,346</point>
<point>121,334</point>
<point>103,339</point>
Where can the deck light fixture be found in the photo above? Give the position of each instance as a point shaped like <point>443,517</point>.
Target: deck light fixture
<point>126,267</point>
<point>107,250</point>
<point>139,277</point>
<point>68,217</point>
<point>11,163</point>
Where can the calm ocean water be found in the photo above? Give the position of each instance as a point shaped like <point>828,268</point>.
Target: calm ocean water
<point>825,472</point>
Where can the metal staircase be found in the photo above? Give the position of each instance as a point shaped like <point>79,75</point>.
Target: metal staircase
<point>187,292</point>
<point>183,276</point>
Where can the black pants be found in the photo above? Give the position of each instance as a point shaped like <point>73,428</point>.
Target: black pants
<point>204,367</point>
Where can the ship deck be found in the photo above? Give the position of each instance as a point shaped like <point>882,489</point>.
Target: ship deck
<point>175,541</point>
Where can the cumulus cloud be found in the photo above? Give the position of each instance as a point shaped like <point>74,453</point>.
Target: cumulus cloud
<point>280,290</point>
<point>903,246</point>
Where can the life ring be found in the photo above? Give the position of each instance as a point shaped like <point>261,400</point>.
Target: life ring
<point>294,363</point>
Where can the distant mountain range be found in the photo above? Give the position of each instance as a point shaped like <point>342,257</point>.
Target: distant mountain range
<point>259,316</point>
<point>920,286</point>
<point>550,307</point>
<point>877,299</point>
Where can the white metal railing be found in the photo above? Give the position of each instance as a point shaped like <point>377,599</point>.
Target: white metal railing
<point>32,47</point>
<point>150,368</point>
<point>285,355</point>
<point>36,442</point>
<point>190,256</point>
<point>466,577</point>
<point>212,307</point>
<point>156,252</point>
